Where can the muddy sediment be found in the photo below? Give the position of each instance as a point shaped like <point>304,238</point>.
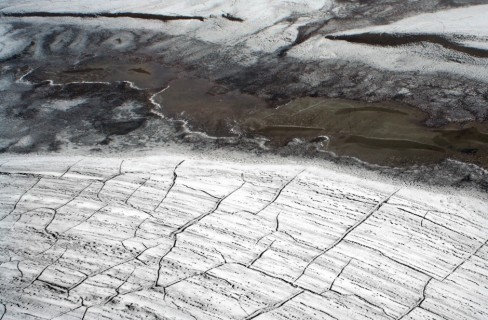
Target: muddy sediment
<point>386,133</point>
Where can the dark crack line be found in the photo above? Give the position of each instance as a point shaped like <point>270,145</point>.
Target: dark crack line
<point>348,231</point>
<point>21,174</point>
<point>276,230</point>
<point>20,271</point>
<point>390,258</point>
<point>196,274</point>
<point>424,218</point>
<point>340,273</point>
<point>221,255</point>
<point>84,313</point>
<point>294,285</point>
<point>277,225</point>
<point>366,301</point>
<point>70,167</point>
<point>139,227</point>
<point>273,276</point>
<point>66,312</point>
<point>117,290</point>
<point>230,284</point>
<point>244,179</point>
<point>272,307</point>
<point>318,310</point>
<point>44,269</point>
<point>157,286</point>
<point>237,299</point>
<point>4,310</point>
<point>260,255</point>
<point>85,220</point>
<point>190,223</point>
<point>55,210</point>
<point>156,282</point>
<point>175,176</point>
<point>464,261</point>
<point>50,247</point>
<point>419,302</point>
<point>183,310</point>
<point>279,193</point>
<point>110,267</point>
<point>194,189</point>
<point>109,179</point>
<point>264,236</point>
<point>422,221</point>
<point>26,212</point>
<point>137,189</point>
<point>52,285</point>
<point>299,241</point>
<point>21,197</point>
<point>199,218</point>
<point>435,313</point>
<point>53,216</point>
<point>363,201</point>
<point>230,17</point>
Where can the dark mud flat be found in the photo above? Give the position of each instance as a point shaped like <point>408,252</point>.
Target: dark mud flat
<point>385,133</point>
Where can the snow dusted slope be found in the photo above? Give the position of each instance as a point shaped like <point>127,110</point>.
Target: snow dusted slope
<point>453,41</point>
<point>222,15</point>
<point>460,21</point>
<point>172,237</point>
<point>254,27</point>
<point>249,9</point>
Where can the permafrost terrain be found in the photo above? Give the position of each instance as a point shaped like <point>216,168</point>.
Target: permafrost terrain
<point>179,238</point>
<point>125,223</point>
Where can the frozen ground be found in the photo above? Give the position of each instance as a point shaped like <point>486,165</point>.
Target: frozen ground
<point>181,237</point>
<point>187,236</point>
<point>184,237</point>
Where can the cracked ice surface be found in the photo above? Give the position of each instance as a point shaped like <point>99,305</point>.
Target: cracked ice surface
<point>172,237</point>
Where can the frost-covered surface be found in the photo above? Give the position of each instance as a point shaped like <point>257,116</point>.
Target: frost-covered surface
<point>259,15</point>
<point>459,21</point>
<point>175,237</point>
<point>412,58</point>
<point>250,8</point>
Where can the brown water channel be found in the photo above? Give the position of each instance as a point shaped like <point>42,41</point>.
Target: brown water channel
<point>385,133</point>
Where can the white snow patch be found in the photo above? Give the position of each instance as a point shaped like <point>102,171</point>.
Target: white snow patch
<point>461,21</point>
<point>399,59</point>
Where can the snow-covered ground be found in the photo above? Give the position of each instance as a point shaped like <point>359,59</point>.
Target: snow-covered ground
<point>258,15</point>
<point>181,236</point>
<point>468,26</point>
<point>460,21</point>
<point>175,236</point>
<point>268,26</point>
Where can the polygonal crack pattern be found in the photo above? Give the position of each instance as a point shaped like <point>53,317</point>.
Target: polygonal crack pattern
<point>176,238</point>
